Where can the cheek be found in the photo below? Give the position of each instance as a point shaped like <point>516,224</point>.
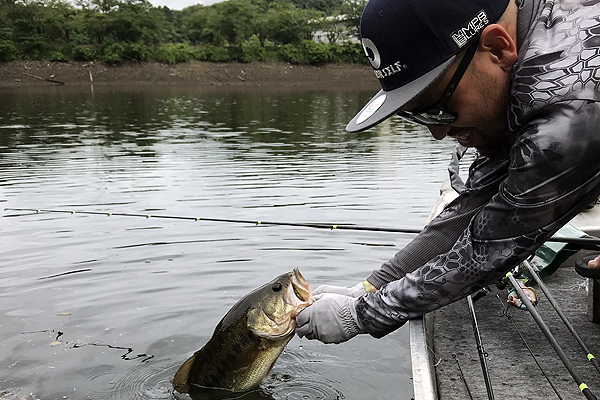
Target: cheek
<point>479,103</point>
<point>467,104</point>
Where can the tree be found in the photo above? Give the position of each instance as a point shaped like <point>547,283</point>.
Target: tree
<point>285,23</point>
<point>352,10</point>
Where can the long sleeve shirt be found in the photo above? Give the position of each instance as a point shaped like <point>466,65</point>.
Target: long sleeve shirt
<point>546,171</point>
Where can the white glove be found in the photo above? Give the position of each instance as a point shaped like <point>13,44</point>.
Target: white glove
<point>354,291</point>
<point>330,319</point>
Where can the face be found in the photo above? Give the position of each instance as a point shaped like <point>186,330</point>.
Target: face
<point>480,100</point>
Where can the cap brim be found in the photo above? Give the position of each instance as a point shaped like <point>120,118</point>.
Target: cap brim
<point>386,103</point>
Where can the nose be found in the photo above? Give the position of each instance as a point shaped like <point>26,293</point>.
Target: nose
<point>438,131</point>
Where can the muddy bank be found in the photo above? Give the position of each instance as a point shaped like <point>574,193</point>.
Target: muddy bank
<point>27,73</point>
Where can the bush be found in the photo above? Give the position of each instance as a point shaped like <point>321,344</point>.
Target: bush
<point>173,53</point>
<point>8,51</point>
<point>316,53</point>
<point>291,53</point>
<point>353,53</point>
<point>136,52</point>
<point>271,51</point>
<point>113,53</point>
<point>83,53</point>
<point>252,49</point>
<point>212,53</point>
<point>57,56</point>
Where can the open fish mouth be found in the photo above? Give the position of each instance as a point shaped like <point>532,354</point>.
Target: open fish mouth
<point>301,288</point>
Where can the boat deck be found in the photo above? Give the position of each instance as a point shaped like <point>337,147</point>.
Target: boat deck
<point>452,352</point>
<point>513,371</point>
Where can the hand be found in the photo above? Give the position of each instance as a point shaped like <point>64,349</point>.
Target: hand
<point>330,319</point>
<point>531,293</point>
<point>355,291</point>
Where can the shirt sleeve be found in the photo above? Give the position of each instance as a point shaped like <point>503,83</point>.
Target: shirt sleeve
<point>485,176</point>
<point>553,172</point>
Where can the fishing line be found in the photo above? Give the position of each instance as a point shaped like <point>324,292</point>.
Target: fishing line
<point>583,243</point>
<point>514,324</point>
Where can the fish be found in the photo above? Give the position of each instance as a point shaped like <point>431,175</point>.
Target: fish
<point>248,340</point>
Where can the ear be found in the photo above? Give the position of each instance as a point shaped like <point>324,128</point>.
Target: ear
<point>500,44</point>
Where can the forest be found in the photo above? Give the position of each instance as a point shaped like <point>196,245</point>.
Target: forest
<point>116,31</point>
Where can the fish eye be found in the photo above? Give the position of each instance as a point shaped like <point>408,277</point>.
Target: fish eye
<point>276,287</point>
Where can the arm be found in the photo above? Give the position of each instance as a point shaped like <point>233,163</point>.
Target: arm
<point>553,174</point>
<point>438,237</point>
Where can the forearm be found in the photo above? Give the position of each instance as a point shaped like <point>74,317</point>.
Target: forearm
<point>442,232</point>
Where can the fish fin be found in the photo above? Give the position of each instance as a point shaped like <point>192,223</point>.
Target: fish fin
<point>180,380</point>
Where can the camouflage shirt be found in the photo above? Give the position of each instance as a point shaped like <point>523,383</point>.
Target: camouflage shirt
<point>546,172</point>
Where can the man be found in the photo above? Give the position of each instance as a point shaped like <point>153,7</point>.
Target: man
<point>519,82</point>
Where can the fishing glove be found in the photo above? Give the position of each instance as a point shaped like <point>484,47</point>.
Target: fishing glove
<point>330,319</point>
<point>355,291</point>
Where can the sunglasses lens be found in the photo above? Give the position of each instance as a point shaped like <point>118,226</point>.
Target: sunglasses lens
<point>433,116</point>
<point>436,117</point>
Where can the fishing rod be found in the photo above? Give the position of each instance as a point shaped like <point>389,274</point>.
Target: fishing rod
<point>544,328</point>
<point>480,350</point>
<point>583,243</point>
<point>534,272</point>
<point>237,221</point>
<point>514,324</point>
<point>462,375</point>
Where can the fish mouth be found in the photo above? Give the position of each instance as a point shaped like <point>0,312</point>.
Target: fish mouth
<point>301,288</point>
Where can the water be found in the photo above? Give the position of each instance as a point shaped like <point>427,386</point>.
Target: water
<point>95,307</point>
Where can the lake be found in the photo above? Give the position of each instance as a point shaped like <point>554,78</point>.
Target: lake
<point>99,307</point>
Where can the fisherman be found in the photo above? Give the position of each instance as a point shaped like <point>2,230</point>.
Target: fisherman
<point>519,81</point>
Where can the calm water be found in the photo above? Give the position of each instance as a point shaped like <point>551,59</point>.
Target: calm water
<point>95,307</point>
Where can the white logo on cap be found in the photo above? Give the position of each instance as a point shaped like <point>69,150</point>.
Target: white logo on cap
<point>462,35</point>
<point>369,45</point>
<point>371,108</point>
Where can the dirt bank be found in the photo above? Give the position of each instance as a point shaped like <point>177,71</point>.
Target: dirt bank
<point>22,73</point>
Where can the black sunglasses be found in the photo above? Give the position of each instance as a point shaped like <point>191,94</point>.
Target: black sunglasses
<point>438,113</point>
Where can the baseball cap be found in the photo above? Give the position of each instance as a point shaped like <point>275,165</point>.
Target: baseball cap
<point>411,43</point>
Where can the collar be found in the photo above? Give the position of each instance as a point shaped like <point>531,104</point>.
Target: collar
<point>527,11</point>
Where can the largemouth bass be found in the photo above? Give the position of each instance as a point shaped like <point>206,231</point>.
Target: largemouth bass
<point>249,339</point>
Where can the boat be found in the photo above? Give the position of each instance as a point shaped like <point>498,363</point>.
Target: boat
<point>445,357</point>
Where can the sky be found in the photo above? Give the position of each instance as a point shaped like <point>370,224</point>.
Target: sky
<point>180,4</point>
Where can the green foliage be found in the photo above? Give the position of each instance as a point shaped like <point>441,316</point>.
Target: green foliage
<point>116,52</point>
<point>173,53</point>
<point>285,23</point>
<point>212,53</point>
<point>326,6</point>
<point>316,53</point>
<point>136,52</point>
<point>83,53</point>
<point>252,49</point>
<point>57,56</point>
<point>353,9</point>
<point>271,51</point>
<point>348,52</point>
<point>121,30</point>
<point>8,52</point>
<point>113,53</point>
<point>291,53</point>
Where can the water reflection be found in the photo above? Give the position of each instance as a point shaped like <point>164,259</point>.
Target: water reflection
<point>157,288</point>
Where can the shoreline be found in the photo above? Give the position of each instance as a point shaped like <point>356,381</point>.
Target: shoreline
<point>45,73</point>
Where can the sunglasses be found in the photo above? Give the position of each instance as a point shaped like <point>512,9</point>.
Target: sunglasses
<point>438,113</point>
